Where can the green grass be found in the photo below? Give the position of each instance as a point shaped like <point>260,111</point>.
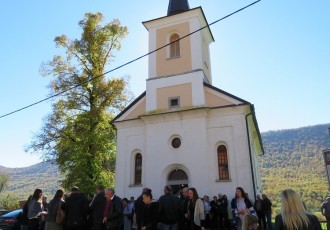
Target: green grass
<point>324,226</point>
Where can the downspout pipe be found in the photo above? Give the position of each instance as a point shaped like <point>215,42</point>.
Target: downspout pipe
<point>250,154</point>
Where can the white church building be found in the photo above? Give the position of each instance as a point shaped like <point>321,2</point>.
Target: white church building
<point>183,131</point>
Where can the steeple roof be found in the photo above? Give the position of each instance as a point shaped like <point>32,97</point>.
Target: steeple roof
<point>177,6</point>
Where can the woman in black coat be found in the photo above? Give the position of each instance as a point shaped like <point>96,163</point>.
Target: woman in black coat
<point>150,217</point>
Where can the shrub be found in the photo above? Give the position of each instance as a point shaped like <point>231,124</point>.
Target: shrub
<point>9,203</point>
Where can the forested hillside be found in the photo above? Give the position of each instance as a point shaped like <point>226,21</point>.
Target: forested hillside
<point>23,181</point>
<point>293,159</point>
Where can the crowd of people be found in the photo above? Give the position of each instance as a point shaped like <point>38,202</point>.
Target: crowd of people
<point>183,211</point>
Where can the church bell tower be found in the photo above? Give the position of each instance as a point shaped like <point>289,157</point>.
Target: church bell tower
<point>177,71</point>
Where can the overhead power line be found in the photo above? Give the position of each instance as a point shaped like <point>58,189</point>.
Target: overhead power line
<point>127,63</point>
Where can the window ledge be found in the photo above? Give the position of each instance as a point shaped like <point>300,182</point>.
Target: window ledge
<point>169,58</point>
<point>229,180</point>
<point>135,185</point>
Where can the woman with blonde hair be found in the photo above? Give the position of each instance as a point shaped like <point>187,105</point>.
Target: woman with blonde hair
<point>293,214</point>
<point>250,222</point>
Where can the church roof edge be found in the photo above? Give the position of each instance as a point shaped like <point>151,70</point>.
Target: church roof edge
<point>190,109</point>
<point>128,107</point>
<point>226,93</point>
<point>244,102</point>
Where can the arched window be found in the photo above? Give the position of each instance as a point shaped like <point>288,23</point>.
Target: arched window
<point>138,169</point>
<point>175,46</point>
<point>223,163</point>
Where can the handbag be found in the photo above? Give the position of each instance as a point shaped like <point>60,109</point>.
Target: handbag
<point>60,215</point>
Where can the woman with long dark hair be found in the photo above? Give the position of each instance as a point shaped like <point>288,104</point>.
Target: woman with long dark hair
<point>241,206</point>
<point>294,215</point>
<point>35,209</point>
<point>53,206</point>
<point>195,211</point>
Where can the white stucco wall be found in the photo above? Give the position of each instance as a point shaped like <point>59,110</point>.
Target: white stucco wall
<point>201,132</point>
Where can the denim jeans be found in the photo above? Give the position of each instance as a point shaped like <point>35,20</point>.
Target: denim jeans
<point>239,224</point>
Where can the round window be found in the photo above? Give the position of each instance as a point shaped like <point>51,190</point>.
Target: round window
<point>176,142</point>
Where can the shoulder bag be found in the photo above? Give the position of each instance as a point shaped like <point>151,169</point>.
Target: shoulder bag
<point>60,215</point>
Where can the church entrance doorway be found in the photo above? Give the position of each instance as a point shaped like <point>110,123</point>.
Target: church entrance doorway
<point>177,179</point>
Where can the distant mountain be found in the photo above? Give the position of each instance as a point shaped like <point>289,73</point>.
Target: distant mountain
<point>293,159</point>
<point>23,181</point>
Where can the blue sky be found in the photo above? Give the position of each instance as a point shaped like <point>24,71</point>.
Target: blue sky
<point>275,54</point>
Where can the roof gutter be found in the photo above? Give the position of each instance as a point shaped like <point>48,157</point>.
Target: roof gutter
<point>257,128</point>
<point>252,113</point>
<point>250,154</point>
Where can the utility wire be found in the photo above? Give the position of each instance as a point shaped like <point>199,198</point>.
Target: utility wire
<point>127,63</point>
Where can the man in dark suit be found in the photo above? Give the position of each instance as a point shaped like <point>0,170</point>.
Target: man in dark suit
<point>223,211</point>
<point>113,211</point>
<point>97,208</point>
<point>268,211</point>
<point>169,210</point>
<point>259,208</point>
<point>76,209</point>
<point>184,209</point>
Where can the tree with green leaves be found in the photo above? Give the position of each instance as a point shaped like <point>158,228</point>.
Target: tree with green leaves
<point>4,177</point>
<point>77,133</point>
